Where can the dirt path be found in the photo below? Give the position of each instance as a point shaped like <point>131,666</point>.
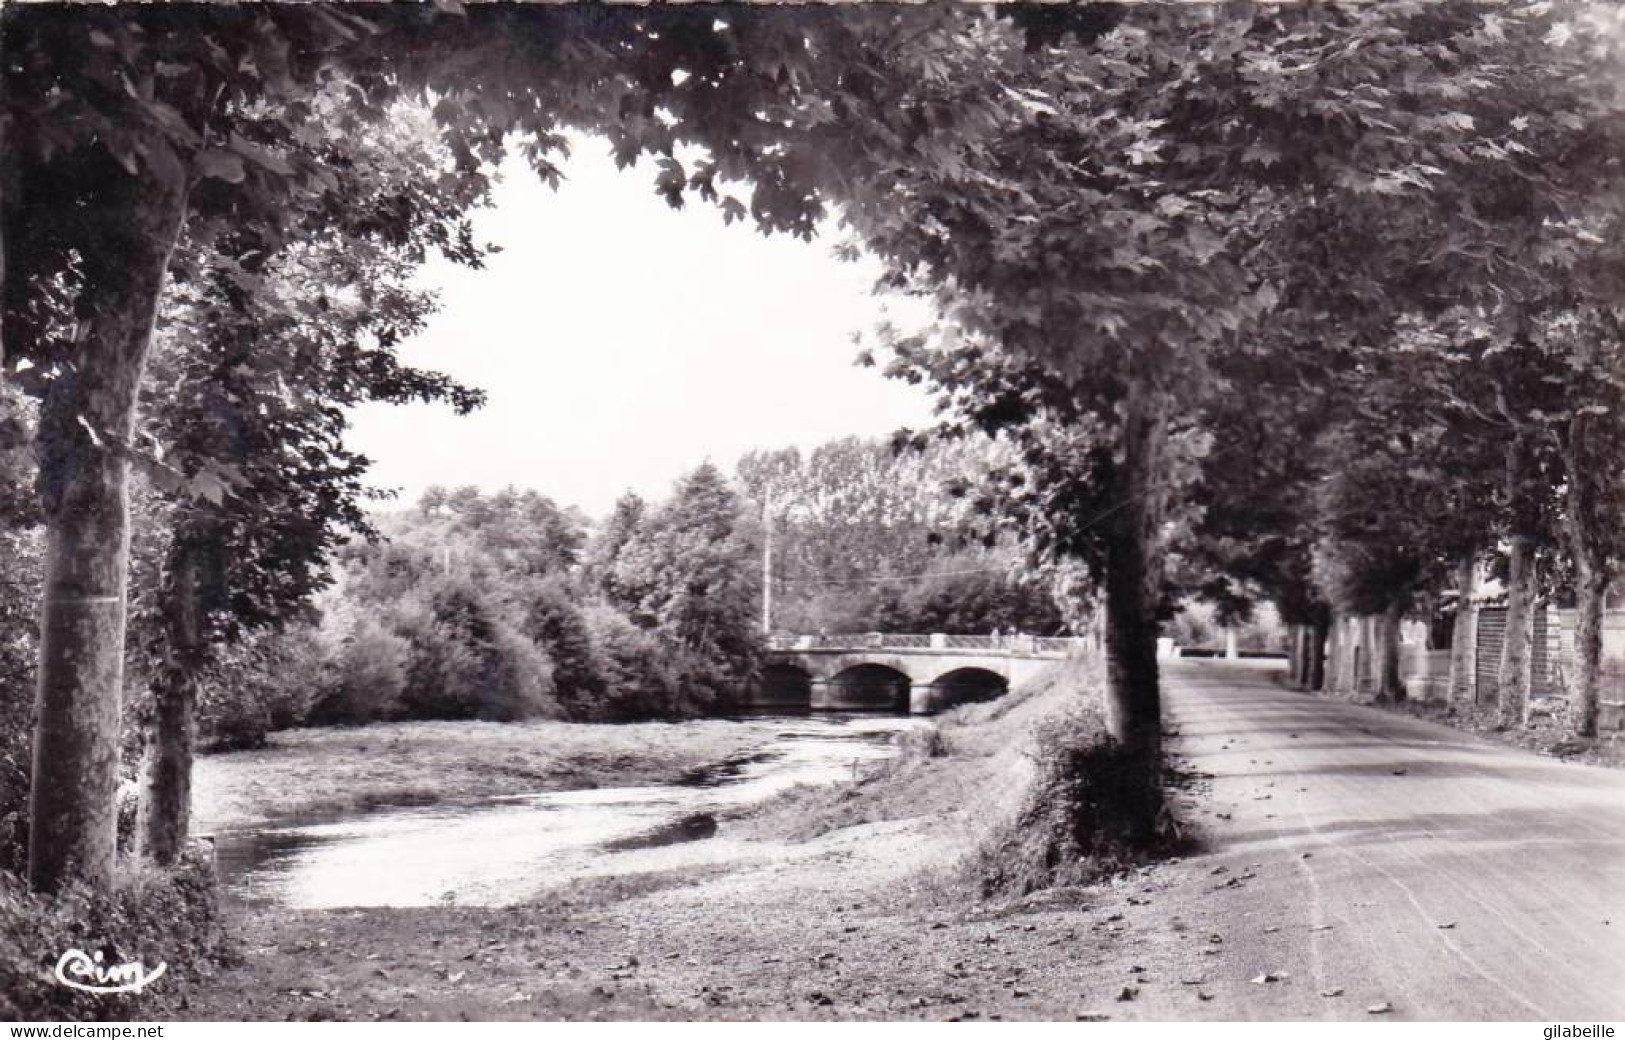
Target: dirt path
<point>1358,860</point>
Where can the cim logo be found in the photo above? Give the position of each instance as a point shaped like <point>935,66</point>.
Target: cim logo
<point>81,970</point>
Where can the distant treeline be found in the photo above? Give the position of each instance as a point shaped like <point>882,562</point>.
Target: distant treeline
<point>506,606</point>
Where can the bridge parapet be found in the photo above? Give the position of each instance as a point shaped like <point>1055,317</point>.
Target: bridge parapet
<point>918,672</point>
<point>856,641</point>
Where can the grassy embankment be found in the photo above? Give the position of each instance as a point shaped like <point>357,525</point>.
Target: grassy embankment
<point>1025,785</point>
<point>316,772</point>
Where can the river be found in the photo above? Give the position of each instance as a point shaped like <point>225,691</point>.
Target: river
<point>497,851</point>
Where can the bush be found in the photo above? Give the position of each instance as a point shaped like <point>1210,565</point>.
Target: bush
<point>518,679</point>
<point>921,742</point>
<point>170,917</point>
<point>18,649</point>
<point>638,682</point>
<point>553,620</point>
<point>1093,808</point>
<point>438,668</point>
<point>469,660</point>
<point>268,682</point>
<point>16,744</point>
<point>370,676</point>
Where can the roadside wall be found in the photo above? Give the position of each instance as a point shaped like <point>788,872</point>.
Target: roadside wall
<point>1552,659</point>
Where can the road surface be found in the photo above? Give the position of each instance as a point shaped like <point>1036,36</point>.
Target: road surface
<point>1430,870</point>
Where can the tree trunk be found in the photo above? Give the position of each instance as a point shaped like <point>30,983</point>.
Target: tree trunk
<point>1390,688</point>
<point>132,224</point>
<point>1586,517</point>
<point>1298,659</point>
<point>1336,650</point>
<point>1590,587</point>
<point>1319,632</point>
<point>164,814</point>
<point>1515,674</point>
<point>1133,698</point>
<point>1464,635</point>
<point>1292,657</point>
<point>1362,654</point>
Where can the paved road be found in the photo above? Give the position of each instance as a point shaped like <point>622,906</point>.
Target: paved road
<point>1398,860</point>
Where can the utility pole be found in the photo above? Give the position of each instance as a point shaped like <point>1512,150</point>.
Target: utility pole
<point>767,563</point>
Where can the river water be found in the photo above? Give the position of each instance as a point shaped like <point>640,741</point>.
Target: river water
<point>497,851</point>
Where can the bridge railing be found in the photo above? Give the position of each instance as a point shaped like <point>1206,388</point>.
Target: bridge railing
<point>1018,644</point>
<point>1058,644</point>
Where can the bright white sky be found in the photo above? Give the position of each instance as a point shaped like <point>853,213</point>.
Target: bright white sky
<point>622,343</point>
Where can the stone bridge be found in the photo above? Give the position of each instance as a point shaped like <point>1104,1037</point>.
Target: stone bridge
<point>916,673</point>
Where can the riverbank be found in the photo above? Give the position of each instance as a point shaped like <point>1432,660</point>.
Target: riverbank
<point>320,772</point>
<point>852,901</point>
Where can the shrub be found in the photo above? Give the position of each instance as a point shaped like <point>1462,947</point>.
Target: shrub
<point>921,742</point>
<point>468,658</point>
<point>370,676</point>
<point>438,669</point>
<point>270,681</point>
<point>16,744</point>
<point>638,682</point>
<point>170,917</point>
<point>553,620</point>
<point>1093,808</point>
<point>517,679</point>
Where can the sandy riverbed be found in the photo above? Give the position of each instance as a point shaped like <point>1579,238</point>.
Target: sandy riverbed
<point>313,772</point>
<point>825,906</point>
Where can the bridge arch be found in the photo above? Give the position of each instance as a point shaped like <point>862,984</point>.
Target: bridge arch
<point>785,686</point>
<point>966,684</point>
<point>866,687</point>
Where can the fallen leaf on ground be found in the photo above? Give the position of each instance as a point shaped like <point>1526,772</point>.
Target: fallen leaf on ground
<point>1334,992</point>
<point>1128,993</point>
<point>1448,924</point>
<point>1203,996</point>
<point>1379,1009</point>
<point>1268,977</point>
